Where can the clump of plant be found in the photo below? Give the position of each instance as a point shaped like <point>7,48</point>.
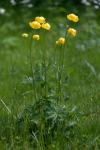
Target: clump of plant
<point>48,118</point>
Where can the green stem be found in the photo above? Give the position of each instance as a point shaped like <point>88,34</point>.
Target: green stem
<point>54,53</point>
<point>60,72</point>
<point>34,86</point>
<point>59,83</point>
<point>42,58</point>
<point>31,53</point>
<point>60,58</point>
<point>44,61</point>
<point>31,63</point>
<point>54,64</point>
<point>27,49</point>
<point>41,39</point>
<point>64,49</point>
<point>26,46</point>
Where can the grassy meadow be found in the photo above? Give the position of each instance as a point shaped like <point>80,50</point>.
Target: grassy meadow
<point>82,64</point>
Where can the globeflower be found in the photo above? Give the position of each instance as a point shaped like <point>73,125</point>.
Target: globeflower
<point>40,19</point>
<point>60,41</point>
<point>57,43</point>
<point>46,26</point>
<point>36,37</point>
<point>73,17</point>
<point>24,35</point>
<point>35,25</point>
<point>72,32</point>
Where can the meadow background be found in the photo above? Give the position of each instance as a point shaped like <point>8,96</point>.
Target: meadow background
<point>82,63</point>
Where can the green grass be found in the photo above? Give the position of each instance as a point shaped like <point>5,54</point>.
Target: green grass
<point>82,63</point>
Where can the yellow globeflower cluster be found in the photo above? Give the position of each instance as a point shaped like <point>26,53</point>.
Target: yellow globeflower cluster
<point>72,32</point>
<point>36,37</point>
<point>35,25</point>
<point>46,26</point>
<point>73,17</point>
<point>24,35</point>
<point>40,19</point>
<point>60,41</point>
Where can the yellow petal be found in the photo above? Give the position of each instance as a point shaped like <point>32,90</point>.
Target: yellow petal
<point>24,35</point>
<point>73,17</point>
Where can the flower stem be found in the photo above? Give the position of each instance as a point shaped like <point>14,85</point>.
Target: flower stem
<point>31,63</point>
<point>34,86</point>
<point>26,46</point>
<point>54,64</point>
<point>41,39</point>
<point>66,37</point>
<point>31,54</point>
<point>64,50</point>
<point>60,72</point>
<point>27,50</point>
<point>54,53</point>
<point>44,61</point>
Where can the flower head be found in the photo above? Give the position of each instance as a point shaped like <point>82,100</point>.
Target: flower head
<point>72,32</point>
<point>57,43</point>
<point>24,35</point>
<point>61,41</point>
<point>73,17</point>
<point>35,25</point>
<point>46,26</point>
<point>40,19</point>
<point>36,37</point>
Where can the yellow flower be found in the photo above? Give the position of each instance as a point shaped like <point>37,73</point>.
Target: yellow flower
<point>57,43</point>
<point>61,41</point>
<point>35,25</point>
<point>73,17</point>
<point>40,19</point>
<point>36,37</point>
<point>72,32</point>
<point>46,26</point>
<point>24,35</point>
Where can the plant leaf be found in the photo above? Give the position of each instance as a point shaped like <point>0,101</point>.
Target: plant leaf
<point>56,67</point>
<point>66,79</point>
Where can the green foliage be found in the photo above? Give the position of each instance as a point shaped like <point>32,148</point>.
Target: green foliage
<point>48,121</point>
